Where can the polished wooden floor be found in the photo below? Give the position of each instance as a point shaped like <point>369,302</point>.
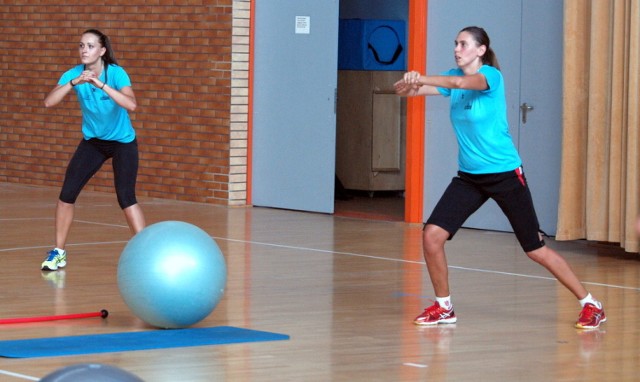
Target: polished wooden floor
<point>344,289</point>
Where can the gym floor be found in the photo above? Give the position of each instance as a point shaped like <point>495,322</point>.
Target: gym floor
<point>345,289</point>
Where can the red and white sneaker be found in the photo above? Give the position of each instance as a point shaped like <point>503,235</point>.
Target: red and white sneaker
<point>590,317</point>
<point>435,314</point>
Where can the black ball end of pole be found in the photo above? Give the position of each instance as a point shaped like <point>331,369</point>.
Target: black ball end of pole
<point>104,313</point>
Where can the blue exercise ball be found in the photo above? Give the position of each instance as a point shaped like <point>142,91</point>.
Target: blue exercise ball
<point>172,274</point>
<point>90,372</point>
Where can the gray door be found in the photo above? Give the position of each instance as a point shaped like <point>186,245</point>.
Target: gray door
<point>527,55</point>
<point>541,88</point>
<point>294,122</point>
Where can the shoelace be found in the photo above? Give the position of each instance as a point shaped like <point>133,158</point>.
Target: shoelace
<point>435,310</point>
<point>588,312</point>
<point>52,255</point>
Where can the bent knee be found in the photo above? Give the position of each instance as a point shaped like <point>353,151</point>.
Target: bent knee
<point>541,255</point>
<point>434,235</point>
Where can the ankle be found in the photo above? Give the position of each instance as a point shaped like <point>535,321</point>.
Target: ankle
<point>445,302</point>
<point>590,300</point>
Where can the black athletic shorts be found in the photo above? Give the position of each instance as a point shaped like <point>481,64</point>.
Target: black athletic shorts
<point>468,192</point>
<point>87,160</point>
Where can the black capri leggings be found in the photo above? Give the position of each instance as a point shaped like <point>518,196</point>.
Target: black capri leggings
<point>87,160</point>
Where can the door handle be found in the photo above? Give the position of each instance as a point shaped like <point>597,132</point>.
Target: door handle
<point>525,109</point>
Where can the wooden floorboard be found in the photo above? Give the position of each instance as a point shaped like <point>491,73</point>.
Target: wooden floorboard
<point>344,289</point>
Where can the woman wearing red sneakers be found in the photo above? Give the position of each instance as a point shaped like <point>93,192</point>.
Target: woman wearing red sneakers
<point>489,167</point>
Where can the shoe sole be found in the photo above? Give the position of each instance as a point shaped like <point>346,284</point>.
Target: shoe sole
<point>46,268</point>
<point>578,326</point>
<point>433,323</point>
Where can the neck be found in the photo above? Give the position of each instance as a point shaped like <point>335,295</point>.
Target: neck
<point>96,67</point>
<point>472,68</point>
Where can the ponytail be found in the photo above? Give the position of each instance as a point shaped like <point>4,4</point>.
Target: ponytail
<point>490,58</point>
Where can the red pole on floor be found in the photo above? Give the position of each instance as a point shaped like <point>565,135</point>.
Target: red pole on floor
<point>103,313</point>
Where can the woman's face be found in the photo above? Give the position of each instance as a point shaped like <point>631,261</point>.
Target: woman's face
<point>90,49</point>
<point>467,51</point>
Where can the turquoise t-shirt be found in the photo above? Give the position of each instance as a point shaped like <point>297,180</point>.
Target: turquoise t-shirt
<point>479,119</point>
<point>102,117</point>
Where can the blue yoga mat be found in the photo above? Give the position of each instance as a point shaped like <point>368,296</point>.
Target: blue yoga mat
<point>121,342</point>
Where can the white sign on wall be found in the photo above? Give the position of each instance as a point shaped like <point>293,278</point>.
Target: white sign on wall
<point>303,24</point>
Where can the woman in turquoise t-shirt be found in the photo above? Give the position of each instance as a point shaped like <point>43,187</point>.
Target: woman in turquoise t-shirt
<point>104,92</point>
<point>489,167</point>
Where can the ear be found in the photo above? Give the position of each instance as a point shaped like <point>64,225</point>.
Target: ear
<point>103,51</point>
<point>482,49</point>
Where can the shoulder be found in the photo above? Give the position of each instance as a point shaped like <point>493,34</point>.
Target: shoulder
<point>493,76</point>
<point>70,74</point>
<point>113,68</point>
<point>76,69</point>
<point>120,75</point>
<point>488,70</point>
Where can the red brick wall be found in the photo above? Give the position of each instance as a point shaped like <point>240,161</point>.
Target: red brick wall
<point>178,55</point>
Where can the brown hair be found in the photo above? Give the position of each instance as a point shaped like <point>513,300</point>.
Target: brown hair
<point>482,38</point>
<point>109,57</point>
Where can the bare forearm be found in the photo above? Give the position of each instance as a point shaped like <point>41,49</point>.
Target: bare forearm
<point>407,90</point>
<point>57,94</point>
<point>124,98</point>
<point>475,81</point>
<point>449,82</point>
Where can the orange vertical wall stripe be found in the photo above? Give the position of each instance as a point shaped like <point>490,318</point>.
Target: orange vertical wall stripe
<point>252,31</point>
<point>417,60</point>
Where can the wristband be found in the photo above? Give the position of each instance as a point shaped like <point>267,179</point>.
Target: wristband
<point>71,83</point>
<point>102,87</point>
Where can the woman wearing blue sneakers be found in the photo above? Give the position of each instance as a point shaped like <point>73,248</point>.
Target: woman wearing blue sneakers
<point>489,167</point>
<point>104,92</point>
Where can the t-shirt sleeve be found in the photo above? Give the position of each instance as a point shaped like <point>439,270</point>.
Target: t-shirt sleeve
<point>120,77</point>
<point>69,75</point>
<point>493,76</point>
<point>446,91</point>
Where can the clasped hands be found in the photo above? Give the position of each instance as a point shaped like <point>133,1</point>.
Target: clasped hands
<point>409,82</point>
<point>87,76</point>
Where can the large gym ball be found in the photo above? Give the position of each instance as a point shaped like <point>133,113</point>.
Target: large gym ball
<point>172,274</point>
<point>90,372</point>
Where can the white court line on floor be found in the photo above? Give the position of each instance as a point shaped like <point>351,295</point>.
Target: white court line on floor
<point>68,245</point>
<point>419,262</point>
<point>75,221</point>
<point>21,219</point>
<point>22,376</point>
<point>103,224</point>
<point>335,253</point>
<point>419,365</point>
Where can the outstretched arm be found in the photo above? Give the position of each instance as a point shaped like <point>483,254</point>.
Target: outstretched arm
<point>476,81</point>
<point>406,89</point>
